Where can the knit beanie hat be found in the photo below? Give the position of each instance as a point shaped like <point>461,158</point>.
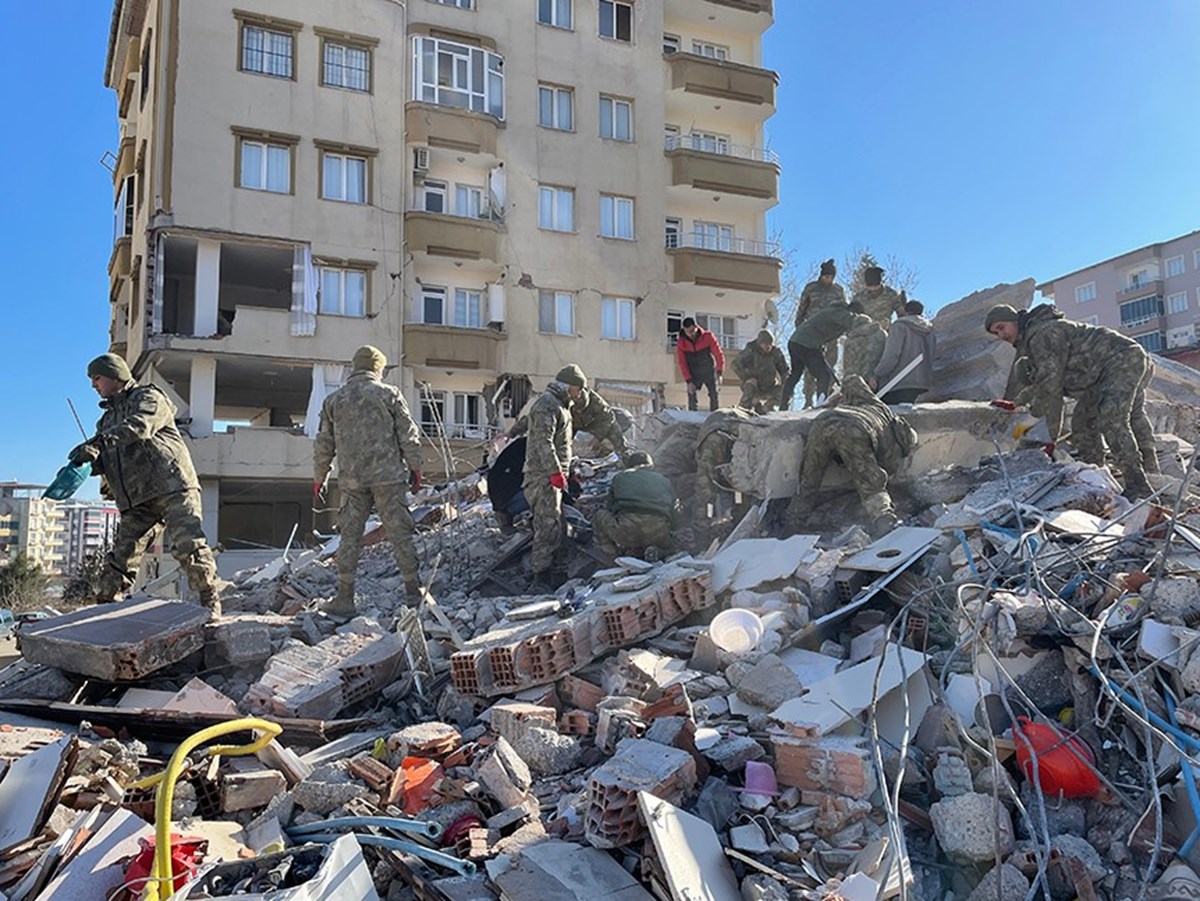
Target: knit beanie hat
<point>571,374</point>
<point>765,336</point>
<point>829,267</point>
<point>1001,312</point>
<point>112,366</point>
<point>369,359</point>
<point>639,458</point>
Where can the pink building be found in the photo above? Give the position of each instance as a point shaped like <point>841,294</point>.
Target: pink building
<point>1151,294</point>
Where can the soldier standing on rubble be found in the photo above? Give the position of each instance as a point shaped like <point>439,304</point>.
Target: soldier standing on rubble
<point>763,370</point>
<point>879,301</point>
<point>701,361</point>
<point>806,344</point>
<point>641,513</point>
<point>547,467</point>
<point>1060,358</point>
<point>864,346</point>
<point>367,426</point>
<point>147,469</point>
<point>870,441</point>
<point>815,297</point>
<point>714,449</point>
<point>590,413</point>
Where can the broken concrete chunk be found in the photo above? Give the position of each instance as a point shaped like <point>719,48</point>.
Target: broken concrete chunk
<point>835,763</point>
<point>749,838</point>
<point>1002,883</point>
<point>769,684</point>
<point>971,829</point>
<point>547,753</point>
<point>236,643</point>
<point>732,753</point>
<point>250,790</point>
<point>327,789</point>
<point>503,773</point>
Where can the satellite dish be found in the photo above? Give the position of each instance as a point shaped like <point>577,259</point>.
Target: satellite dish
<point>771,309</point>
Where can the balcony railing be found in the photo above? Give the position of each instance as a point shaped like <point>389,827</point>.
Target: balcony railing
<point>702,144</point>
<point>1146,286</point>
<point>723,244</point>
<point>490,212</point>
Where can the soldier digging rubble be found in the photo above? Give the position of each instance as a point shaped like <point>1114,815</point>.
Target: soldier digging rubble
<point>714,449</point>
<point>547,467</point>
<point>815,297</point>
<point>367,426</point>
<point>590,413</point>
<point>763,370</point>
<point>641,513</point>
<point>1106,371</point>
<point>146,468</point>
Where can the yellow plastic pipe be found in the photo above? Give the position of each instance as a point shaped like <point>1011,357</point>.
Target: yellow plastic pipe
<point>165,794</point>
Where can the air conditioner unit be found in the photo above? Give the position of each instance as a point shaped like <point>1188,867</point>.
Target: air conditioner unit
<point>420,160</point>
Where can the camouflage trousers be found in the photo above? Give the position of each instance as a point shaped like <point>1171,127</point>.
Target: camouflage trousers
<point>389,502</point>
<point>835,436</point>
<point>179,514</point>
<point>631,533</point>
<point>714,452</point>
<point>549,526</point>
<point>1086,435</point>
<point>615,438</point>
<point>760,400</point>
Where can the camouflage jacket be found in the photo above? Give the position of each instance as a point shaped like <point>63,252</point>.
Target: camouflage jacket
<point>816,296</point>
<point>827,324</point>
<point>881,304</point>
<point>548,448</point>
<point>891,435</point>
<point>769,368</point>
<point>725,421</point>
<point>864,346</point>
<point>642,490</point>
<point>590,413</point>
<point>142,454</point>
<point>1065,358</point>
<point>367,426</point>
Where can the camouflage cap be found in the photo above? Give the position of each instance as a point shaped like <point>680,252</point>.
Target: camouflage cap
<point>1001,312</point>
<point>112,366</point>
<point>369,359</point>
<point>571,374</point>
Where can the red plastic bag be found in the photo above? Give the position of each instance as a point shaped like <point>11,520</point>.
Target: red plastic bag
<point>187,853</point>
<point>1066,766</point>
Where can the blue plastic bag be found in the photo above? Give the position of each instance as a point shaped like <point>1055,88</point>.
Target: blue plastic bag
<point>69,480</point>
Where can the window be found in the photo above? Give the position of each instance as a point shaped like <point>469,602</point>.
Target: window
<point>616,118</point>
<point>1085,293</point>
<point>433,411</point>
<point>343,292</point>
<point>343,177</point>
<point>434,196</point>
<point>616,217</point>
<point>1151,341</point>
<point>674,228</point>
<point>345,66</point>
<point>468,201</point>
<point>712,51</point>
<point>461,4</point>
<point>1177,303</point>
<point>468,416</point>
<point>616,20</point>
<point>433,305</point>
<point>556,312</point>
<point>267,52</point>
<point>554,12</point>
<point>144,77</point>
<point>1184,336</point>
<point>706,142</point>
<point>556,209</point>
<point>674,326</point>
<point>1175,266</point>
<point>556,107</point>
<point>468,308</point>
<point>713,236</point>
<point>123,209</point>
<point>616,319</point>
<point>1141,310</point>
<point>724,327</point>
<point>266,166</point>
<point>1196,259</point>
<point>671,43</point>
<point>1139,278</point>
<point>452,74</point>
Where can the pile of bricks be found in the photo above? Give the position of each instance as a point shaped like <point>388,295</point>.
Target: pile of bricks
<point>841,765</point>
<point>611,818</point>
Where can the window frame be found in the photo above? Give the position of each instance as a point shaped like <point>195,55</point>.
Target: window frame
<point>618,304</point>
<point>1162,341</point>
<point>465,294</point>
<point>460,427</point>
<point>612,119</point>
<point>1136,321</point>
<point>555,298</point>
<point>702,240</point>
<point>730,340</point>
<point>554,6</point>
<point>442,189</point>
<point>268,26</point>
<point>430,293</point>
<point>672,224</point>
<point>1079,289</point>
<point>720,51</point>
<point>554,207</point>
<point>1171,311</point>
<point>124,208</point>
<point>434,400</point>
<point>266,140</point>
<point>343,272</point>
<point>491,66</point>
<point>671,43</point>
<point>345,155</point>
<point>1167,273</point>
<point>556,91</point>
<point>347,42</point>
<point>616,201</point>
<point>615,5</point>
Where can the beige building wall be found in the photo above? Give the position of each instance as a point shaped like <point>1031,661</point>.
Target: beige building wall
<point>32,526</point>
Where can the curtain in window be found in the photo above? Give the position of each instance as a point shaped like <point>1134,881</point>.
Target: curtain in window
<point>326,378</point>
<point>279,169</point>
<point>279,54</point>
<point>253,40</point>
<point>331,177</point>
<point>356,180</point>
<point>354,299</point>
<point>252,165</point>
<point>304,293</point>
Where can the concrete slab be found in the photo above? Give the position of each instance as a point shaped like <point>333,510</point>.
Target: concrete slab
<point>30,790</point>
<point>117,642</point>
<point>690,852</point>
<point>551,870</point>
<point>751,562</point>
<point>893,550</point>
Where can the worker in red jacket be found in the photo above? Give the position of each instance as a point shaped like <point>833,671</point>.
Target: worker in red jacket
<point>701,362</point>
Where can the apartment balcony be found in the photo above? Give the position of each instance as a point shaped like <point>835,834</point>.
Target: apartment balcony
<point>450,347</point>
<point>723,15</point>
<point>699,78</point>
<point>457,237</point>
<point>454,129</point>
<point>723,168</point>
<point>734,264</point>
<point>1143,289</point>
<point>253,453</point>
<point>125,160</point>
<point>120,262</point>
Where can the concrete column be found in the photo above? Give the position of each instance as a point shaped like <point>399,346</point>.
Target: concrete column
<point>208,286</point>
<point>210,501</point>
<point>202,398</point>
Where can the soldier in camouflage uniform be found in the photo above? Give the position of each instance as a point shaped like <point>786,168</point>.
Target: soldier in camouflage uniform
<point>808,344</point>
<point>367,426</point>
<point>590,413</point>
<point>641,511</point>
<point>547,466</point>
<point>879,301</point>
<point>815,297</point>
<point>869,440</point>
<point>714,449</point>
<point>864,346</point>
<point>1086,435</point>
<point>147,470</point>
<point>763,370</point>
<point>1068,358</point>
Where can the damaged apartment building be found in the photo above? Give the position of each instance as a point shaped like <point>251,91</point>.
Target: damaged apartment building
<point>485,195</point>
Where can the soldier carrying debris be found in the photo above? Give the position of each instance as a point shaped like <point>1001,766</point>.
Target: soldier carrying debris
<point>763,370</point>
<point>640,516</point>
<point>868,439</point>
<point>547,467</point>
<point>1106,370</point>
<point>367,426</point>
<point>590,413</point>
<point>147,470</point>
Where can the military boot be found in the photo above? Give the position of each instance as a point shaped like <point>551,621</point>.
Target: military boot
<point>209,598</point>
<point>1137,486</point>
<point>883,524</point>
<point>412,593</point>
<point>342,606</point>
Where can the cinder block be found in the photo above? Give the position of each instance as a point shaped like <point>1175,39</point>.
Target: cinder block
<point>837,764</point>
<point>236,643</point>
<point>250,790</point>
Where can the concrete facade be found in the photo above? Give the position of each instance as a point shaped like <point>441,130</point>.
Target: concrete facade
<point>1151,294</point>
<point>89,529</point>
<point>294,178</point>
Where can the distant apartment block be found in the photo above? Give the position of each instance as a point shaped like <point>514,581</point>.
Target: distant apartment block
<point>31,526</point>
<point>89,529</point>
<point>1151,294</point>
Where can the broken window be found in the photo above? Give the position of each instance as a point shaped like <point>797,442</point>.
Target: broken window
<point>674,326</point>
<point>123,210</point>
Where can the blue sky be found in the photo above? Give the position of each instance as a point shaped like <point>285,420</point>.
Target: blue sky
<point>979,143</point>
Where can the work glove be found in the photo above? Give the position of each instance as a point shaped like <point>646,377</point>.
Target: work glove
<point>1004,404</point>
<point>559,481</point>
<point>84,453</point>
<point>318,490</point>
<point>414,479</point>
<point>691,387</point>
